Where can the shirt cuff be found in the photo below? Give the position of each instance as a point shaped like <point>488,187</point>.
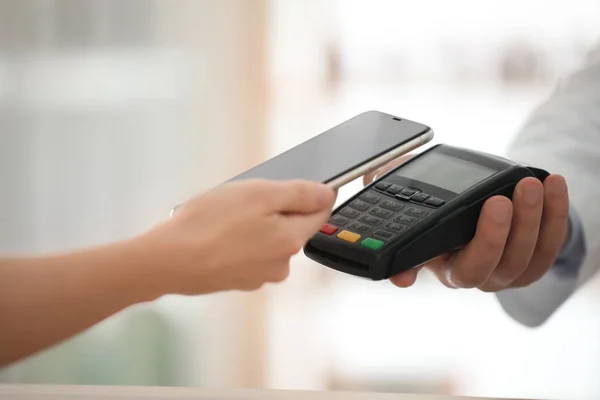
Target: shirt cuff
<point>570,259</point>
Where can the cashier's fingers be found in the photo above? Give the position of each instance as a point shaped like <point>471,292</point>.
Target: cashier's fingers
<point>406,279</point>
<point>553,231</point>
<point>472,266</point>
<point>528,201</point>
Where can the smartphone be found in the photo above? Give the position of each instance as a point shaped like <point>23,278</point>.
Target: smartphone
<point>345,152</point>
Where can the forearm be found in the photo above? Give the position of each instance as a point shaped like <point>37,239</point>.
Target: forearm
<point>46,300</point>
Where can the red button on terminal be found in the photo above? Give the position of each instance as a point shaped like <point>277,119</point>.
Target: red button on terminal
<point>329,229</point>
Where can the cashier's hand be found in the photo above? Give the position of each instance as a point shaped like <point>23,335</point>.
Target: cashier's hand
<point>238,236</point>
<point>515,242</point>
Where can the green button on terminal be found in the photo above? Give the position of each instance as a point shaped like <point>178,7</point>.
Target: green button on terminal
<point>372,244</point>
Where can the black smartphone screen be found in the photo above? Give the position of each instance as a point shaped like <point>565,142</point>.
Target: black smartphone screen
<point>340,149</point>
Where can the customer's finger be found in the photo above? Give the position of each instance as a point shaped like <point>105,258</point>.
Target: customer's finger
<point>305,226</point>
<point>298,196</point>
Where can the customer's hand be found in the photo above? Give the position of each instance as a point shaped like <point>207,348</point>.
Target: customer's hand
<point>238,236</point>
<point>515,244</point>
<point>235,237</point>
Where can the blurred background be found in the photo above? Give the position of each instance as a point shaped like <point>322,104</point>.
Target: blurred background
<point>113,111</point>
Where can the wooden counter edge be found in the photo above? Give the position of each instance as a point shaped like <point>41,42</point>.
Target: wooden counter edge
<point>31,392</point>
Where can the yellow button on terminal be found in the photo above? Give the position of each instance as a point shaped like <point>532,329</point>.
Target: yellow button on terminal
<point>348,236</point>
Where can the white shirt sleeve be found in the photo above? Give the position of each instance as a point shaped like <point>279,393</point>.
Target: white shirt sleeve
<point>563,136</point>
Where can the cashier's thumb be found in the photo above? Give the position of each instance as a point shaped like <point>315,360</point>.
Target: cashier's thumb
<point>406,279</point>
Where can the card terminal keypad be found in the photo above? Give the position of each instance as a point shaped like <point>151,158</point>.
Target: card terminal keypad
<point>360,205</point>
<point>420,197</point>
<point>382,185</point>
<point>358,227</point>
<point>370,220</point>
<point>416,212</point>
<point>380,214</point>
<point>393,189</point>
<point>349,213</point>
<point>370,198</point>
<point>391,205</point>
<point>404,220</point>
<point>338,221</point>
<point>381,234</point>
<point>433,201</point>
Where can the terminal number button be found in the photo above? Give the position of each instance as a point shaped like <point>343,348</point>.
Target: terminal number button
<point>391,205</point>
<point>358,227</point>
<point>415,212</point>
<point>395,227</point>
<point>383,235</point>
<point>402,219</point>
<point>359,205</point>
<point>367,219</point>
<point>378,212</point>
<point>339,221</point>
<point>350,213</point>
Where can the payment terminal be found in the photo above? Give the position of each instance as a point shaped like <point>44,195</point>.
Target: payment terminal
<point>424,208</point>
